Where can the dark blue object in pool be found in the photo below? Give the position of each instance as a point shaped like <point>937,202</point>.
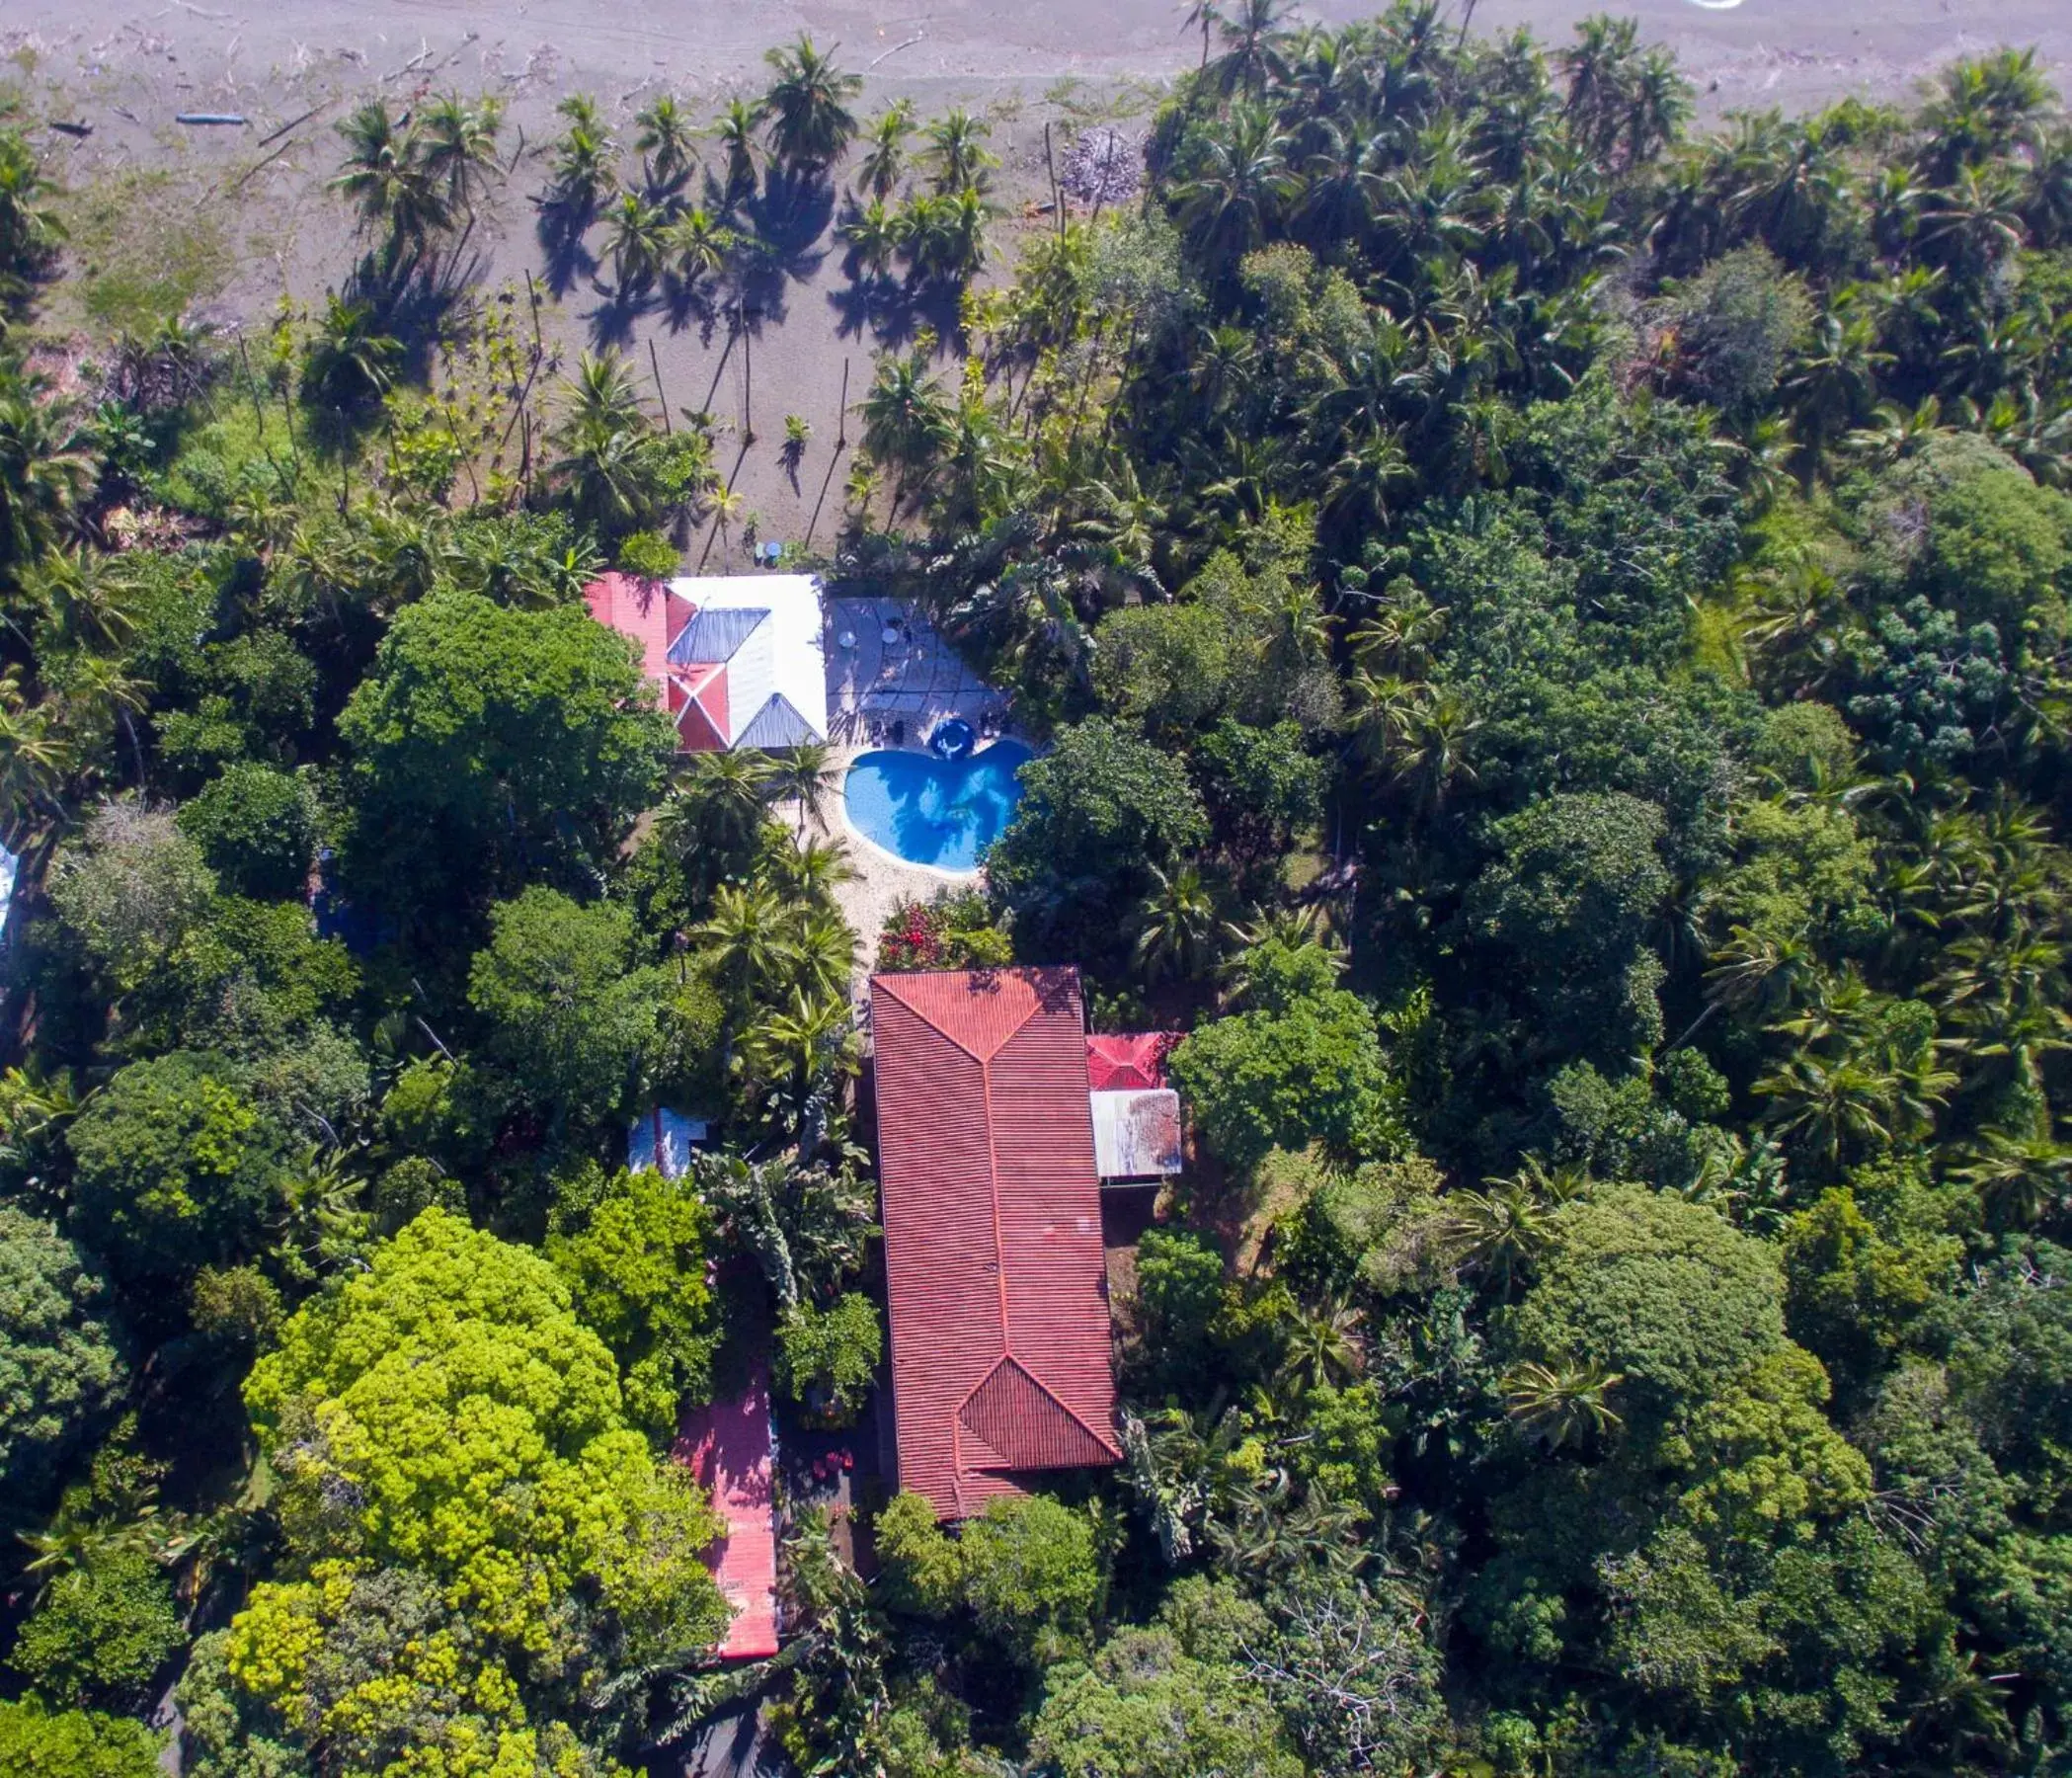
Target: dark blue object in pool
<point>929,811</point>
<point>952,739</point>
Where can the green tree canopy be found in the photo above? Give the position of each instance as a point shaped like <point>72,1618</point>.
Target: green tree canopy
<point>176,1166</point>
<point>488,741</point>
<point>1666,1294</point>
<point>451,1391</point>
<point>59,1363</point>
<point>569,1018</point>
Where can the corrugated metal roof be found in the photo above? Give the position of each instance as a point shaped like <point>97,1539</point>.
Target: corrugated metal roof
<point>1000,1345</point>
<point>643,610</point>
<point>729,1447</point>
<point>776,725</point>
<point>1135,1135</point>
<point>715,634</point>
<point>1121,1061</point>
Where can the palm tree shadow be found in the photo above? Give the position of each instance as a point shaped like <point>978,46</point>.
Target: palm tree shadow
<point>894,310</point>
<point>789,216</point>
<point>560,230</point>
<point>412,301</point>
<point>682,304</point>
<point>611,322</point>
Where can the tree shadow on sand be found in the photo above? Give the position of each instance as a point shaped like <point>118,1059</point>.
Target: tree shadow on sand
<point>892,310</point>
<point>560,230</point>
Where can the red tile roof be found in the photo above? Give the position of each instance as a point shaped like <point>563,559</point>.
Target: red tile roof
<point>1000,1358</point>
<point>726,1445</point>
<point>1129,1062</point>
<point>644,609</point>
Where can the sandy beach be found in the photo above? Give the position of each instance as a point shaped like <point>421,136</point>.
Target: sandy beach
<point>245,211</point>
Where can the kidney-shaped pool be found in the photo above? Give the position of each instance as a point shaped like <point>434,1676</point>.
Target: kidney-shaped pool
<point>943,813</point>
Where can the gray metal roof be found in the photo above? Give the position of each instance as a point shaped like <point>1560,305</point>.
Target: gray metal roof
<point>777,725</point>
<point>715,634</point>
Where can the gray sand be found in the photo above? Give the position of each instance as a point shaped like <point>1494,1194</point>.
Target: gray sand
<point>127,68</point>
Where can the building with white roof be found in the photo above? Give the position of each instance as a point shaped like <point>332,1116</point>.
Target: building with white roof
<point>740,660</point>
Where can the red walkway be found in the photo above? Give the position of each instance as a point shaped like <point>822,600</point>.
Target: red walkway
<point>727,1446</point>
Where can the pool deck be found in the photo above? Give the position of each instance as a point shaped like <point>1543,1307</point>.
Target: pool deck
<point>918,680</point>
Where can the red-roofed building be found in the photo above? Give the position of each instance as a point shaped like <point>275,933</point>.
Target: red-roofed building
<point>726,1445</point>
<point>737,661</point>
<point>1129,1061</point>
<point>998,1283</point>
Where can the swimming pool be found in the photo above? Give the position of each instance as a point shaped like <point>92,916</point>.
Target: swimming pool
<point>929,811</point>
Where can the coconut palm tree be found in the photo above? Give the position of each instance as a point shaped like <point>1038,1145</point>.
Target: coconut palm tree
<point>957,153</point>
<point>1237,185</point>
<point>906,420</point>
<point>387,180</point>
<point>581,168</point>
<point>699,244</point>
<point>874,234</point>
<point>1175,926</point>
<point>736,130</point>
<point>1556,1406</point>
<point>743,935</point>
<point>1251,32</point>
<point>885,154</point>
<point>458,148</point>
<point>637,238</point>
<point>810,122</point>
<point>663,139</point>
<point>350,361</point>
<point>46,468</point>
<point>805,775</point>
<point>30,229</point>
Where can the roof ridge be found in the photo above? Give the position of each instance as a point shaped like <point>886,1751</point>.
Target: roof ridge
<point>1006,1358</point>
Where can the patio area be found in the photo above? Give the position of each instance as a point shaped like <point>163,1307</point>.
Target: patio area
<point>891,674</point>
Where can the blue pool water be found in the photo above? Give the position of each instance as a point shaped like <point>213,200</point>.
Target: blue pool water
<point>931,811</point>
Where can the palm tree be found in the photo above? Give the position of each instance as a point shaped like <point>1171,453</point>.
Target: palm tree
<point>906,419</point>
<point>663,143</point>
<point>639,236</point>
<point>83,603</point>
<point>45,469</point>
<point>1238,185</point>
<point>744,933</point>
<point>459,147</point>
<point>1175,926</point>
<point>350,360</point>
<point>810,122</point>
<point>581,168</point>
<point>719,804</point>
<point>822,954</point>
<point>699,243</point>
<point>2020,1179</point>
<point>1324,1346</point>
<point>874,233</point>
<point>1249,34</point>
<point>736,130</point>
<point>812,872</point>
<point>604,393</point>
<point>1558,1405</point>
<point>793,1051</point>
<point>885,157</point>
<point>805,775</point>
<point>957,153</point>
<point>30,229</point>
<point>388,182</point>
<point>1205,13</point>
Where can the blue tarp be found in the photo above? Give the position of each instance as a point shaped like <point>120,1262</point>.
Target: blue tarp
<point>661,1141</point>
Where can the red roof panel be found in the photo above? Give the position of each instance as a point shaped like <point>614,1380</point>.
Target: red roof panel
<point>1129,1061</point>
<point>992,1231</point>
<point>645,611</point>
